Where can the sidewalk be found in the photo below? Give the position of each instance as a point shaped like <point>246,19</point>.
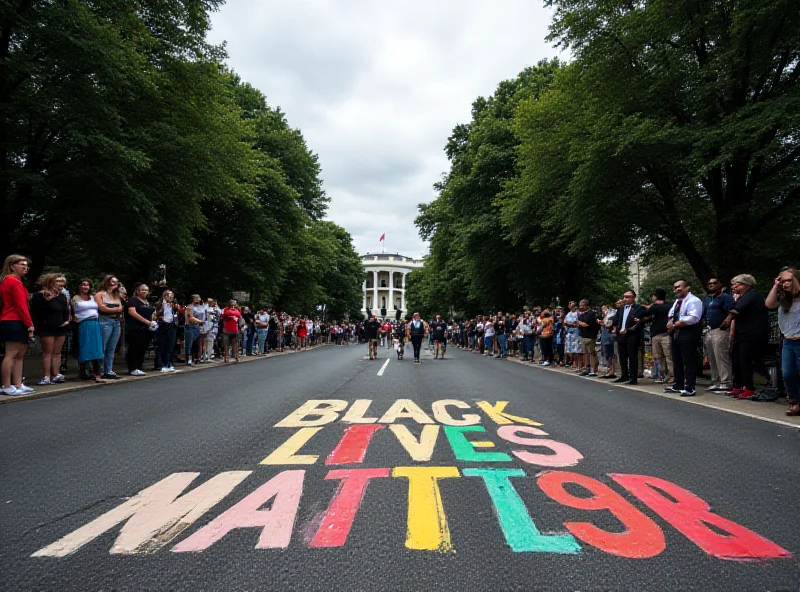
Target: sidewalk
<point>33,373</point>
<point>774,412</point>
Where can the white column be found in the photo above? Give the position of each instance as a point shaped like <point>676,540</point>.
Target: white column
<point>375,289</point>
<point>403,298</point>
<point>390,303</point>
<point>364,292</point>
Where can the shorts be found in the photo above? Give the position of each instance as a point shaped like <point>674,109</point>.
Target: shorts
<point>13,332</point>
<point>52,332</point>
<point>588,345</point>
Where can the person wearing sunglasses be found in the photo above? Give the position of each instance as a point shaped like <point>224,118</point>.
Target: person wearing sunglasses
<point>785,296</point>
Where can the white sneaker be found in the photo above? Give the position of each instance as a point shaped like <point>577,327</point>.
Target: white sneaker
<point>170,369</point>
<point>136,373</point>
<point>545,363</point>
<point>25,390</point>
<point>10,391</point>
<point>44,380</point>
<point>58,379</point>
<point>164,370</point>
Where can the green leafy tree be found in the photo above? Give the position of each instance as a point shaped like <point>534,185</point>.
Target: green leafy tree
<point>677,123</point>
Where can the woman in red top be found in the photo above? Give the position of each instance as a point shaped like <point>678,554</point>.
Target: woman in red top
<point>302,334</point>
<point>230,330</point>
<point>16,326</point>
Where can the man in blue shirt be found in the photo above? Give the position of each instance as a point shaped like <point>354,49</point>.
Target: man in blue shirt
<point>716,307</point>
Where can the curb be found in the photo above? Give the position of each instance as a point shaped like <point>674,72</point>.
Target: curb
<point>151,375</point>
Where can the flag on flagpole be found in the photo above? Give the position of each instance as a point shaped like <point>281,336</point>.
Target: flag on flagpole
<point>383,237</point>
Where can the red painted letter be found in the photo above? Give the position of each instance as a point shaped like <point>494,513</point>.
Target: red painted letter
<point>692,516</point>
<point>353,445</point>
<point>642,537</point>
<point>337,522</point>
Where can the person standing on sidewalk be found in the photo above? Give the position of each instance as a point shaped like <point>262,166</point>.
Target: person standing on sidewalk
<point>660,337</point>
<point>750,318</point>
<point>685,318</point>
<point>195,316</point>
<point>167,316</point>
<point>109,302</point>
<point>785,296</point>
<point>90,337</point>
<point>716,307</point>
<point>51,317</point>
<point>628,331</point>
<point>230,330</point>
<point>372,328</point>
<point>139,325</point>
<point>16,326</point>
<point>588,327</point>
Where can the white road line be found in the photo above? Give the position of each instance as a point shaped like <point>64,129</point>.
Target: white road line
<point>386,363</point>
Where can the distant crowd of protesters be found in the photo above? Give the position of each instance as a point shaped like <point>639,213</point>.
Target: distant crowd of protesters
<point>733,326</point>
<point>100,321</point>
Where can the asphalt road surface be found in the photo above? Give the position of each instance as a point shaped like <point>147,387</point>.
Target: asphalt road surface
<point>228,480</point>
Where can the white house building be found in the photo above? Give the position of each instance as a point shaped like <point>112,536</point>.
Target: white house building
<point>385,282</point>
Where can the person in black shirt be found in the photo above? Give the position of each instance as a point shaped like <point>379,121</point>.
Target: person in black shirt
<point>400,336</point>
<point>372,327</point>
<point>750,318</point>
<point>416,331</point>
<point>660,337</point>
<point>439,330</point>
<point>588,328</point>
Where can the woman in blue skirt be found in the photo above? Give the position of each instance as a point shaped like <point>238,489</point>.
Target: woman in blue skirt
<point>90,338</point>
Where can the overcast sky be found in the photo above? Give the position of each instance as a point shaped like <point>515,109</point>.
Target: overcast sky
<point>377,87</point>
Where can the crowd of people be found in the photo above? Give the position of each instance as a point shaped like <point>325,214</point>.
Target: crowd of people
<point>733,326</point>
<point>103,321</point>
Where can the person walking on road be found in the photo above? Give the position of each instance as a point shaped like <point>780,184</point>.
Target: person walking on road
<point>684,323</point>
<point>372,328</point>
<point>439,330</point>
<point>416,331</point>
<point>785,296</point>
<point>400,336</point>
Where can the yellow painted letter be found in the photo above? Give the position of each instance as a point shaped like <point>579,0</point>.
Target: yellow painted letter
<point>422,450</point>
<point>442,416</point>
<point>427,522</point>
<point>285,454</point>
<point>405,409</point>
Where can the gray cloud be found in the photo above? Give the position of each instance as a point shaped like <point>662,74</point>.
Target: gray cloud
<point>376,89</point>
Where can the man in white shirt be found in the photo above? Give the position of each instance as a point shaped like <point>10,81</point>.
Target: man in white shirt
<point>684,324</point>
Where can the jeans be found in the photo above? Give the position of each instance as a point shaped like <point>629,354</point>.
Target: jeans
<point>526,347</point>
<point>109,329</point>
<point>790,366</point>
<point>251,335</point>
<point>165,342</point>
<point>502,341</point>
<point>262,340</point>
<point>191,333</point>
